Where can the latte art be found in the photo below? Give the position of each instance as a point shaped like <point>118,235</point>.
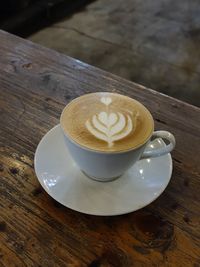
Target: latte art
<point>106,100</point>
<point>107,122</point>
<point>109,127</point>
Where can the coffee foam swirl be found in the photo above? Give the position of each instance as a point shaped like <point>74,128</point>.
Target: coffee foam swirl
<point>107,122</point>
<point>109,126</point>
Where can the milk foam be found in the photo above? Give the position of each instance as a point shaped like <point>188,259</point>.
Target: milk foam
<point>109,126</point>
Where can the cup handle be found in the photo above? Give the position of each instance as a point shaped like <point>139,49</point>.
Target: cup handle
<point>156,152</point>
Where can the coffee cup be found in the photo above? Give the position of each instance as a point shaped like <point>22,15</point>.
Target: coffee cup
<point>106,133</point>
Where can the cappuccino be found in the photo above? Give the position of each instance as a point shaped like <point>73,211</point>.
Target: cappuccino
<point>107,122</point>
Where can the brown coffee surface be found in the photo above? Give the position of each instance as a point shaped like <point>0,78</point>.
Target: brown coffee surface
<point>107,122</point>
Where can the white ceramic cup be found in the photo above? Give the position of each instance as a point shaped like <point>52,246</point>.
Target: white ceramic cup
<point>107,166</point>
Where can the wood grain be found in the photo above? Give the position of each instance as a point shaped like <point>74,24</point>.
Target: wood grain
<point>35,230</point>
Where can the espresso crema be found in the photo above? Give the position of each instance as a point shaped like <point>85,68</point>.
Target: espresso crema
<point>107,122</point>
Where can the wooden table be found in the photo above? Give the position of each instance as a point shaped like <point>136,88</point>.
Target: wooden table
<point>35,84</point>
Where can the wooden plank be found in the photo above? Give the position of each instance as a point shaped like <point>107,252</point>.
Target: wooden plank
<point>35,84</point>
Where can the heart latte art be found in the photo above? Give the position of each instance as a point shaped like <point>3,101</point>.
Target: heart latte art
<point>109,126</point>
<point>106,122</point>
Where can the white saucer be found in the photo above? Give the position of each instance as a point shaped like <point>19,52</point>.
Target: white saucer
<point>63,181</point>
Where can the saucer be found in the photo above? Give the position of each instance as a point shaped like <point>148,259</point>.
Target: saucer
<point>62,180</point>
